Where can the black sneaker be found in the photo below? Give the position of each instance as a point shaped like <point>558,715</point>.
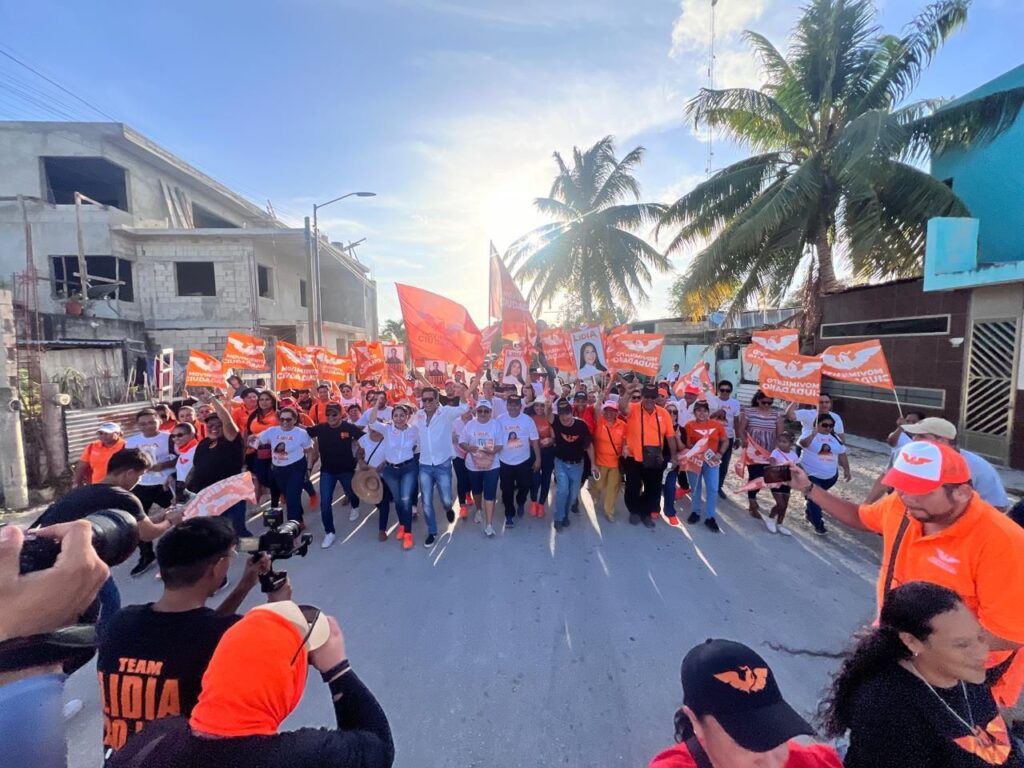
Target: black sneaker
<point>576,507</point>
<point>565,523</point>
<point>693,518</point>
<point>634,519</point>
<point>559,525</point>
<point>144,564</point>
<point>712,525</point>
<point>721,494</point>
<point>510,522</point>
<point>449,514</point>
<point>821,530</point>
<point>521,510</point>
<point>647,521</point>
<point>429,541</point>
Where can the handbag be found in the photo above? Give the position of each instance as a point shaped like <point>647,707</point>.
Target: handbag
<point>618,451</point>
<point>652,456</point>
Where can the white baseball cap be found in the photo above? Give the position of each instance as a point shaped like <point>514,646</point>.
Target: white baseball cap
<point>109,428</point>
<point>316,634</point>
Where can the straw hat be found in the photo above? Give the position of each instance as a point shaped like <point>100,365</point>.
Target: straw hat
<point>367,485</point>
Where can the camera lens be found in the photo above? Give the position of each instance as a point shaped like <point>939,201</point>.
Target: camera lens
<point>115,535</point>
<point>290,528</point>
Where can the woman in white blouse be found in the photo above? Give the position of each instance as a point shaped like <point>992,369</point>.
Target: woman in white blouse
<point>399,447</point>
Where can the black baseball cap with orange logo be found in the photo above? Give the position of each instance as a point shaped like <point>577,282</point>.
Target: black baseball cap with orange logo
<point>730,681</point>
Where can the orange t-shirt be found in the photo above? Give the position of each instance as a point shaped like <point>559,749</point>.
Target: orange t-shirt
<point>655,427</point>
<point>240,416</point>
<point>259,424</point>
<point>97,456</point>
<point>318,411</point>
<point>608,439</point>
<point>980,557</point>
<point>713,430</point>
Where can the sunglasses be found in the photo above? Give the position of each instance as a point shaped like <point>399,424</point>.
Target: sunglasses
<point>310,613</point>
<point>766,401</point>
<point>725,389</point>
<point>179,434</point>
<point>429,400</point>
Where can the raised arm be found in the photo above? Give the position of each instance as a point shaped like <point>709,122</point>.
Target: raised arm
<point>226,420</point>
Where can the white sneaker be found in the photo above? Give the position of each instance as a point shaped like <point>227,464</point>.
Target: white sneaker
<point>489,530</point>
<point>353,515</point>
<point>769,523</point>
<point>784,530</point>
<point>479,517</point>
<point>328,540</point>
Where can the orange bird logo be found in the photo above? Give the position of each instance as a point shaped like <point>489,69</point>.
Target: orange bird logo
<point>916,460</point>
<point>746,679</point>
<point>991,744</point>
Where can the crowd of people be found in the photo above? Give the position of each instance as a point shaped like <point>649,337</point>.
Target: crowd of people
<point>937,677</point>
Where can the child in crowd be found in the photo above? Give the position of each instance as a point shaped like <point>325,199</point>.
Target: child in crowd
<point>782,455</point>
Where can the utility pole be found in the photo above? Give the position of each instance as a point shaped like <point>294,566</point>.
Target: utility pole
<point>312,293</point>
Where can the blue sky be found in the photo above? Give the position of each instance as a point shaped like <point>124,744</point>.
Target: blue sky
<point>448,109</point>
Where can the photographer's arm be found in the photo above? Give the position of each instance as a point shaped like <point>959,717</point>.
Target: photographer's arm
<point>250,578</point>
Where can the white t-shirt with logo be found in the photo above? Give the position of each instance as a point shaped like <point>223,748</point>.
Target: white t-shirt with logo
<point>286,447</point>
<point>519,431</point>
<point>821,458</point>
<point>489,434</point>
<point>160,449</point>
<point>372,459</point>
<point>184,463</point>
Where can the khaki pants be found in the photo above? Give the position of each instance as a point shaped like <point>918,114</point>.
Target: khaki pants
<point>608,485</point>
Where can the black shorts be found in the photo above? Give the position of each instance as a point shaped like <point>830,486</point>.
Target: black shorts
<point>149,495</point>
<point>783,489</point>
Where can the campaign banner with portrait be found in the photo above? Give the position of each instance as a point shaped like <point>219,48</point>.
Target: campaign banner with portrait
<point>514,367</point>
<point>588,351</point>
<point>394,359</point>
<point>436,372</point>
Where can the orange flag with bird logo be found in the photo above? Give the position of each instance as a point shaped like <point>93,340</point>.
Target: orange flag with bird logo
<point>244,352</point>
<point>204,370</point>
<point>779,341</point>
<point>294,367</point>
<point>861,363</point>
<point>796,378</point>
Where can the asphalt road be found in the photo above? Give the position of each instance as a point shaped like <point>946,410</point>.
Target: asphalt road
<point>542,649</point>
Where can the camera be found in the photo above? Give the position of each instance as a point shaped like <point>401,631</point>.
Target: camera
<point>282,540</point>
<point>115,535</point>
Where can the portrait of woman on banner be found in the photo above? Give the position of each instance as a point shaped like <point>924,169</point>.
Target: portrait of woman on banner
<point>589,361</point>
<point>514,372</point>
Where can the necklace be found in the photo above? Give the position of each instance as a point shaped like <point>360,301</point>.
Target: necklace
<point>971,726</point>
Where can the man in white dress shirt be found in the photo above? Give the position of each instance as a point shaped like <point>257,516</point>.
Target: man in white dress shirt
<point>435,423</point>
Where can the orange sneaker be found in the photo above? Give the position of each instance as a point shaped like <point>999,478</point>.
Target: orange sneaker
<point>655,515</point>
<point>470,500</point>
<point>400,533</point>
<point>407,541</point>
<point>463,512</point>
<point>540,510</point>
<point>673,520</point>
<point>314,501</point>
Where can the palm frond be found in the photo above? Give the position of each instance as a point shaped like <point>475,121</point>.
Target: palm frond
<point>631,217</point>
<point>620,182</point>
<point>556,209</point>
<point>753,117</point>
<point>964,123</point>
<point>531,241</point>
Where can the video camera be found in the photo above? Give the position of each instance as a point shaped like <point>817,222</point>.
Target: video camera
<point>282,540</point>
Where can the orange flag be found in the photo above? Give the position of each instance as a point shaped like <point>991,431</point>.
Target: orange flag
<point>698,377</point>
<point>796,378</point>
<point>222,495</point>
<point>489,334</point>
<point>640,352</point>
<point>204,370</point>
<point>294,368</point>
<point>862,363</point>
<point>332,367</point>
<point>557,350</point>
<point>439,329</point>
<point>784,341</point>
<point>508,304</point>
<point>244,352</point>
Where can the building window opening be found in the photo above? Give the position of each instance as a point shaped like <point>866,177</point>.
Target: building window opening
<point>303,301</point>
<point>109,277</point>
<point>204,219</point>
<point>265,280</point>
<point>94,177</point>
<point>195,278</point>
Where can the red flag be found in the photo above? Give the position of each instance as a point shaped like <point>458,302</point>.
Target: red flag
<point>862,363</point>
<point>782,340</point>
<point>439,329</point>
<point>698,377</point>
<point>557,350</point>
<point>489,334</point>
<point>293,367</point>
<point>245,352</point>
<point>204,370</point>
<point>796,378</point>
<point>640,352</point>
<point>517,323</point>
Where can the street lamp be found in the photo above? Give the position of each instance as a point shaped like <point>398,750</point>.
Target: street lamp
<point>315,269</point>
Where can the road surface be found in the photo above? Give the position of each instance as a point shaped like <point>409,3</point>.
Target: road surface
<point>542,649</point>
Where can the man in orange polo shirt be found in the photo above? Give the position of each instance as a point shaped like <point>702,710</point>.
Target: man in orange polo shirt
<point>93,465</point>
<point>936,528</point>
<point>647,427</point>
<point>318,411</point>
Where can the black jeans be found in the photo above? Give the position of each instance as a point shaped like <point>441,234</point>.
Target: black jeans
<point>461,479</point>
<point>723,468</point>
<point>516,480</point>
<point>643,488</point>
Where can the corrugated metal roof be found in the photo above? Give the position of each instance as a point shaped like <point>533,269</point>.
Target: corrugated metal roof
<point>80,425</point>
<point>74,343</point>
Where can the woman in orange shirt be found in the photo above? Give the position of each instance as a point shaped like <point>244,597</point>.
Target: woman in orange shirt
<point>264,417</point>
<point>609,436</point>
<point>703,426</point>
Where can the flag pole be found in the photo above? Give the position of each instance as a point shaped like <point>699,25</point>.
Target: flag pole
<point>897,399</point>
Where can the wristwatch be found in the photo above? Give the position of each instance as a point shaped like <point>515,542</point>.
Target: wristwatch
<point>807,491</point>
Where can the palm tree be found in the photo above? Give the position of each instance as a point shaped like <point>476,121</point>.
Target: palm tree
<point>394,328</point>
<point>836,166</point>
<point>590,251</point>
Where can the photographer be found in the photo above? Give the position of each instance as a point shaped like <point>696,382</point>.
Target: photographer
<point>36,603</point>
<point>255,679</point>
<point>163,648</point>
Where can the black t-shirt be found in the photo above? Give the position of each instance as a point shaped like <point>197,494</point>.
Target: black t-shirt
<point>86,500</point>
<point>571,442</point>
<point>896,721</point>
<point>211,464</point>
<point>151,666</point>
<point>336,445</point>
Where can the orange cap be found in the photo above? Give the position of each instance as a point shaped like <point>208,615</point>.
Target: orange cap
<point>922,466</point>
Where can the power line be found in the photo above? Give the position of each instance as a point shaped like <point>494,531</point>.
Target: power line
<point>55,84</point>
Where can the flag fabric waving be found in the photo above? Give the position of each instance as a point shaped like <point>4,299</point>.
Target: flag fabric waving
<point>796,378</point>
<point>780,341</point>
<point>698,377</point>
<point>244,352</point>
<point>293,367</point>
<point>439,328</point>
<point>489,334</point>
<point>222,495</point>
<point>557,351</point>
<point>204,370</point>
<point>862,363</point>
<point>332,367</point>
<point>640,352</point>
<point>507,304</point>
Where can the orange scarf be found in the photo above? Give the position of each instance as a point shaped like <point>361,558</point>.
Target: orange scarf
<point>250,687</point>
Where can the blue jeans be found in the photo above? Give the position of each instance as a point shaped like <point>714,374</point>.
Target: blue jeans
<point>110,603</point>
<point>670,492</point>
<point>328,481</point>
<point>441,474</point>
<point>706,480</point>
<point>290,479</point>
<point>461,479</point>
<point>813,510</point>
<point>384,509</point>
<point>236,514</point>
<point>401,481</point>
<point>484,484</point>
<point>567,487</point>
<point>542,480</point>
